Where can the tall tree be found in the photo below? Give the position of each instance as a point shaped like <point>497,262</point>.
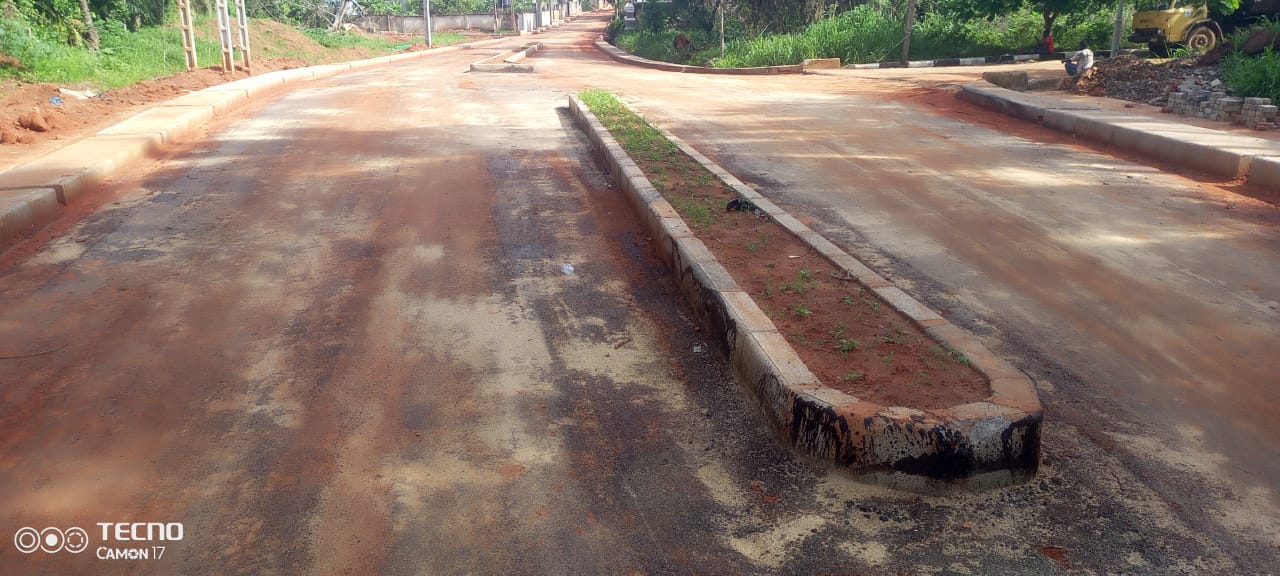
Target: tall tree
<point>94,42</point>
<point>1049,10</point>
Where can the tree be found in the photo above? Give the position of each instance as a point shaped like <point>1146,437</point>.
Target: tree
<point>94,42</point>
<point>1049,10</point>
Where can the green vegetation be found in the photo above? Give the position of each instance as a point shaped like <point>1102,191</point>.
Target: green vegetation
<point>847,345</point>
<point>947,354</point>
<point>870,32</point>
<point>801,311</point>
<point>660,157</point>
<point>700,211</point>
<point>801,284</point>
<point>133,40</point>
<point>1255,76</point>
<point>124,58</point>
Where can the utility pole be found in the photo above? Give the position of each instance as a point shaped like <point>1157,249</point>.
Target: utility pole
<point>1119,29</point>
<point>188,33</point>
<point>224,36</point>
<point>242,25</point>
<point>426,20</point>
<point>906,39</point>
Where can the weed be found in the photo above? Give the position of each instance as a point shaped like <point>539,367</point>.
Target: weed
<point>948,354</point>
<point>848,300</point>
<point>702,214</point>
<point>846,345</point>
<point>895,335</point>
<point>851,376</point>
<point>1253,76</point>
<point>840,331</point>
<point>768,289</point>
<point>801,311</point>
<point>887,358</point>
<point>759,243</point>
<point>802,284</point>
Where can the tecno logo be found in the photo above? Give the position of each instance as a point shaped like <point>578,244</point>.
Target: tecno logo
<point>73,540</point>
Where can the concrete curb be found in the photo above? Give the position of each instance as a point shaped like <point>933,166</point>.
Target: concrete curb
<point>992,442</point>
<point>33,193</point>
<point>1221,153</point>
<point>507,61</point>
<point>625,57</point>
<point>982,60</point>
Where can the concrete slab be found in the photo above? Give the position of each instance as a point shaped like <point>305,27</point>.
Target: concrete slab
<point>222,102</point>
<point>172,123</point>
<point>1265,172</point>
<point>67,170</point>
<point>24,208</point>
<point>1221,153</point>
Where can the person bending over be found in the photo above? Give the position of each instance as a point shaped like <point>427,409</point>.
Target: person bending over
<point>1081,64</point>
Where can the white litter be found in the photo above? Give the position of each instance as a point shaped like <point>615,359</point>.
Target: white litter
<point>567,268</point>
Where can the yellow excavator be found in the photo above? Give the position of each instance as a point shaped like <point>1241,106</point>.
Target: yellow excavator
<point>1162,24</point>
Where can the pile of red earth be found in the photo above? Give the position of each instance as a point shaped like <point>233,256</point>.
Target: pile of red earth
<point>1138,80</point>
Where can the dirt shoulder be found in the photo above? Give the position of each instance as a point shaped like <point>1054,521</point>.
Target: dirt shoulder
<point>38,118</point>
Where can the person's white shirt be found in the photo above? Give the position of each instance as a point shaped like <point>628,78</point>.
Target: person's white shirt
<point>1084,58</point>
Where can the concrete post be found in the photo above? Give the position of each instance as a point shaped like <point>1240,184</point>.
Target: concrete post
<point>188,33</point>
<point>224,36</point>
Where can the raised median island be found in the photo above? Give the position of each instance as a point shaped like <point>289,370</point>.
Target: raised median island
<point>846,366</point>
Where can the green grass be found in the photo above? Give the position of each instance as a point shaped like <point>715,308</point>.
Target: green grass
<point>867,34</point>
<point>125,57</point>
<point>847,345</point>
<point>802,283</point>
<point>660,158</point>
<point>129,57</point>
<point>1253,76</point>
<point>700,212</point>
<point>642,141</point>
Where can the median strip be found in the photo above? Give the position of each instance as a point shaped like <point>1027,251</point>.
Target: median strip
<point>847,366</point>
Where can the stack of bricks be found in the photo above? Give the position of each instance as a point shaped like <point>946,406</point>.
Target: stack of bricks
<point>1259,113</point>
<point>1256,113</point>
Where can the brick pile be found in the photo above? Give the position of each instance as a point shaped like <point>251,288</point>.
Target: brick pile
<point>1259,113</point>
<point>1213,103</point>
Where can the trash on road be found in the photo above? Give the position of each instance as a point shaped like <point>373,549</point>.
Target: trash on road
<point>78,94</point>
<point>567,268</point>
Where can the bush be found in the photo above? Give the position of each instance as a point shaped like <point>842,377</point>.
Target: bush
<point>611,31</point>
<point>869,34</point>
<point>859,35</point>
<point>659,45</point>
<point>1253,76</point>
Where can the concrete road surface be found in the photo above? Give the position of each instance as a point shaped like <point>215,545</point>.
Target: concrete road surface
<point>335,337</point>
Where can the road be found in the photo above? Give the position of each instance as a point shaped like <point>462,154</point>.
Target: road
<point>335,337</point>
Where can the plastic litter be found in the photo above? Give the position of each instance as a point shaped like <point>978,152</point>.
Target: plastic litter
<point>567,268</point>
<point>55,100</point>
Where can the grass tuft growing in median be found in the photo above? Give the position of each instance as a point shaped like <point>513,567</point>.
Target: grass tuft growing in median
<point>659,158</point>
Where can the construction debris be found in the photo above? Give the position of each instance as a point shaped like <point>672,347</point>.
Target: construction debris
<point>1150,82</point>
